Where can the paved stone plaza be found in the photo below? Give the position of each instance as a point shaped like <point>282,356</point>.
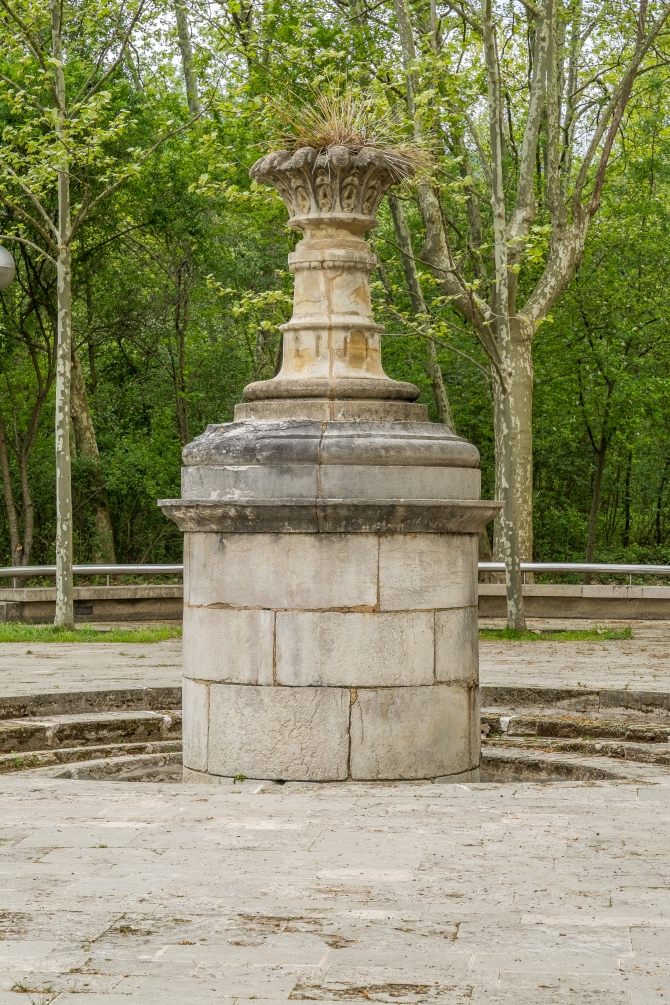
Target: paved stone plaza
<point>523,894</point>
<point>642,663</point>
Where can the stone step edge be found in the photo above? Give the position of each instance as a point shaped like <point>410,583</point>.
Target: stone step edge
<point>166,698</point>
<point>142,699</point>
<point>598,699</point>
<point>98,729</point>
<point>109,768</point>
<point>32,759</point>
<point>531,764</point>
<point>570,767</point>
<point>573,727</point>
<point>642,753</point>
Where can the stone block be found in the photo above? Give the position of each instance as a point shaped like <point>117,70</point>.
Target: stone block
<point>355,650</point>
<point>422,444</point>
<point>293,734</point>
<point>249,481</point>
<point>457,646</point>
<point>195,719</point>
<point>424,571</point>
<point>10,611</point>
<point>412,732</point>
<point>601,591</point>
<point>222,644</point>
<point>331,409</point>
<point>376,481</point>
<point>283,570</point>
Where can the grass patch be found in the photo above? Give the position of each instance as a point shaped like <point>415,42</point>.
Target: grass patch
<point>585,635</point>
<point>12,631</point>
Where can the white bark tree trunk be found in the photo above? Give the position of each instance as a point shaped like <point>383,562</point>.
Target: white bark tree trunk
<point>87,446</point>
<point>187,61</point>
<point>64,529</point>
<point>510,427</point>
<point>521,405</point>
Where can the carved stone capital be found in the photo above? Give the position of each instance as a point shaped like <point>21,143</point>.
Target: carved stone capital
<point>326,186</point>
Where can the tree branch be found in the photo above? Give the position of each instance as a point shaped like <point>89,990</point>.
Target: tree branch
<point>34,47</point>
<point>624,87</point>
<point>22,90</point>
<point>23,240</point>
<point>33,198</point>
<point>486,167</point>
<point>555,202</point>
<point>532,9</point>
<point>30,220</point>
<point>467,16</point>
<point>86,209</point>
<point>524,209</point>
<point>114,66</point>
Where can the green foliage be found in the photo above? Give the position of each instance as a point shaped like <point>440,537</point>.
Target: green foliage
<point>585,635</point>
<point>16,632</point>
<point>180,278</point>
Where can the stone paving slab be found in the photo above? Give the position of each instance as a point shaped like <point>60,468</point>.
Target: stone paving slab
<point>46,667</point>
<point>406,893</point>
<point>641,663</point>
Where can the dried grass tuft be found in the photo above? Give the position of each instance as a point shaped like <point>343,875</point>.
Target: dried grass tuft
<point>346,120</point>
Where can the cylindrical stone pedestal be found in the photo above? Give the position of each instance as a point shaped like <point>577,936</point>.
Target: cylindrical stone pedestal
<point>330,592</point>
<point>330,615</point>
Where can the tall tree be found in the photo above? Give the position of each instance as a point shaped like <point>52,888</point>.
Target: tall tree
<point>567,122</point>
<point>65,135</point>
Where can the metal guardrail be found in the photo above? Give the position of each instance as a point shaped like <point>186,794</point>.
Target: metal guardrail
<point>28,571</point>
<point>581,567</point>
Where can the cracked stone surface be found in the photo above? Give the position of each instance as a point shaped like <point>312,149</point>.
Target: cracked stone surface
<point>520,894</point>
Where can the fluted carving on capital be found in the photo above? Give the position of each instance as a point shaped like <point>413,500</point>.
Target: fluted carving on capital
<point>329,183</point>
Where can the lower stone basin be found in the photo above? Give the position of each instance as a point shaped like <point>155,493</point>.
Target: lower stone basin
<point>496,767</point>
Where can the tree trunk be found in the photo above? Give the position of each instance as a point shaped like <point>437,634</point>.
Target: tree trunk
<point>626,501</point>
<point>485,554</point>
<point>64,530</point>
<point>513,581</point>
<point>440,395</point>
<point>28,506</point>
<point>87,446</point>
<point>510,425</point>
<point>181,327</point>
<point>595,505</point>
<point>10,505</point>
<point>186,49</point>
<point>659,504</point>
<point>404,239</point>
<point>521,403</point>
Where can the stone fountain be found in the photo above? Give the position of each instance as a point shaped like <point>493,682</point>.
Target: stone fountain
<point>330,553</point>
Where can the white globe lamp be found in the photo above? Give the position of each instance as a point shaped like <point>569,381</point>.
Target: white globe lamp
<point>7,268</point>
